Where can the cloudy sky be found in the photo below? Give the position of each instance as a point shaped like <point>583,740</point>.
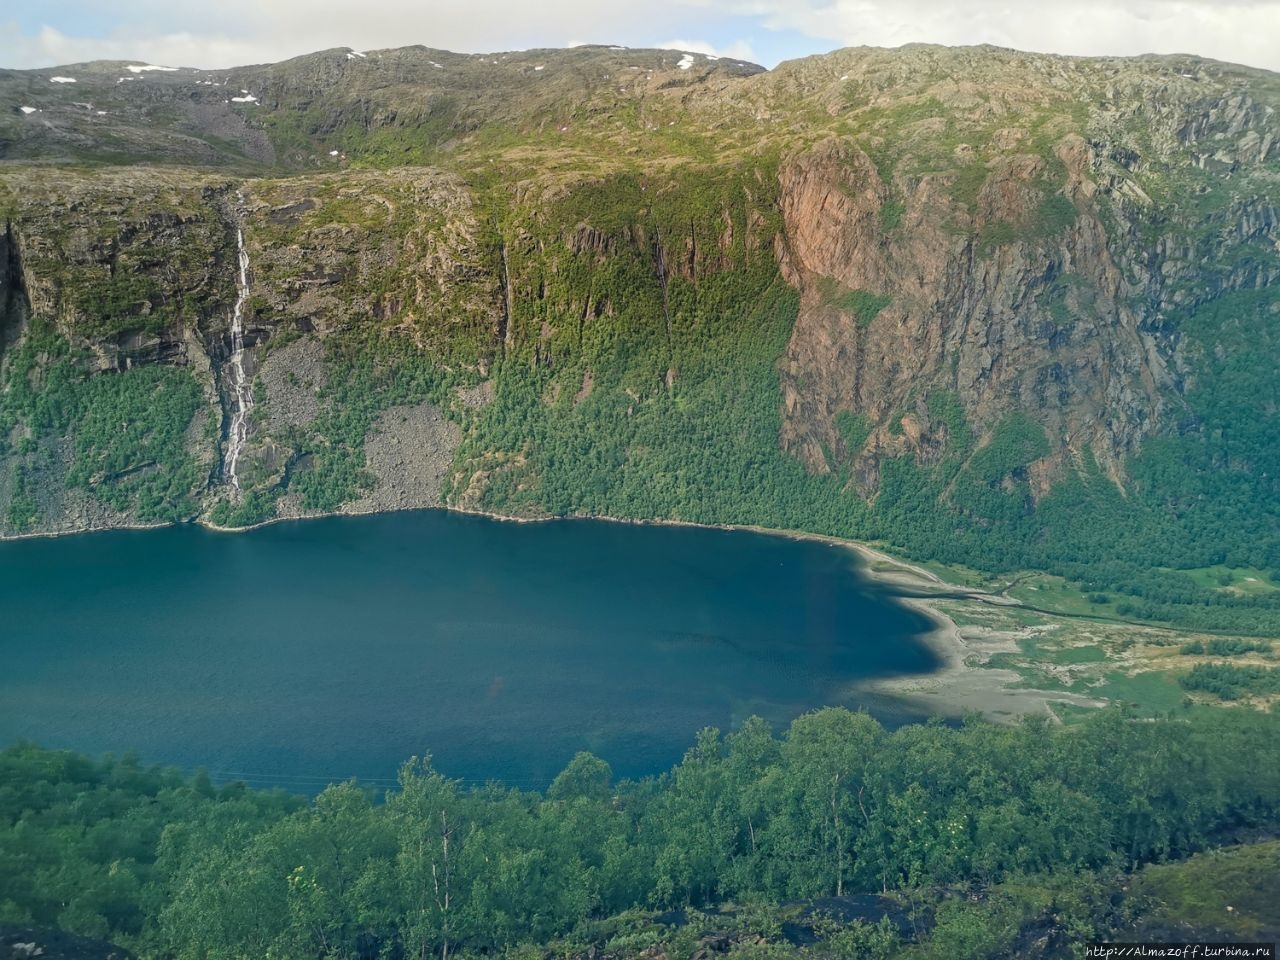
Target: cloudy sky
<point>203,33</point>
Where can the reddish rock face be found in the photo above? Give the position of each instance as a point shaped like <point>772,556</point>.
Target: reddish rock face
<point>982,301</point>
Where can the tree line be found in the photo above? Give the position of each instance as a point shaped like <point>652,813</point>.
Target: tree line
<point>177,866</point>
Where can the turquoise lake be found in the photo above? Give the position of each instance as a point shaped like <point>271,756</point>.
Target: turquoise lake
<point>307,652</point>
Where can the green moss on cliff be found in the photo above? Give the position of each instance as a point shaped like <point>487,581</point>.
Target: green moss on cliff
<point>862,304</point>
<point>640,375</point>
<point>127,433</point>
<point>130,442</point>
<point>1017,441</point>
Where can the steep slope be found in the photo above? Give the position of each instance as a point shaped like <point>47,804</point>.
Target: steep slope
<point>997,308</point>
<point>1001,246</point>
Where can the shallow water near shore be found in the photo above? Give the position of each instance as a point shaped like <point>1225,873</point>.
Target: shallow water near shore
<point>307,652</point>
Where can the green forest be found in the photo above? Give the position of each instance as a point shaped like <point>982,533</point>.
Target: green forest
<point>951,841</point>
<point>121,437</point>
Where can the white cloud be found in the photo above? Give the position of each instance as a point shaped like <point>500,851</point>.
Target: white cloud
<point>235,32</point>
<point>50,47</point>
<point>1243,31</point>
<point>200,34</point>
<point>738,50</point>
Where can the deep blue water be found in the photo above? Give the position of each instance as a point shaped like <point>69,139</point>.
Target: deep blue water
<point>308,652</point>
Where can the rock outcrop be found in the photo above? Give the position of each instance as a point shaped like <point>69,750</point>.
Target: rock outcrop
<point>1041,323</point>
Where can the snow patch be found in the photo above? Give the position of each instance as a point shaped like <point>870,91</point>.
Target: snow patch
<point>135,68</point>
<point>247,98</point>
<point>540,68</point>
<point>333,153</point>
<point>438,66</point>
<point>685,62</point>
<point>27,109</point>
<point>62,79</point>
<point>710,57</point>
<point>102,113</point>
<point>356,53</point>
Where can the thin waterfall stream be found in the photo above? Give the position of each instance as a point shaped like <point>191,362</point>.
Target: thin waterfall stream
<point>240,390</point>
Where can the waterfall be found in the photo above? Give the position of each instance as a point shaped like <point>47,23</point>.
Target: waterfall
<point>239,388</point>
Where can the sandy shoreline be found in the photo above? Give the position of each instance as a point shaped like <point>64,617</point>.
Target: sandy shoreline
<point>78,531</point>
<point>960,685</point>
<point>957,687</point>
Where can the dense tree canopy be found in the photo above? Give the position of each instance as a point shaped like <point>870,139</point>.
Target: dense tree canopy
<point>178,867</point>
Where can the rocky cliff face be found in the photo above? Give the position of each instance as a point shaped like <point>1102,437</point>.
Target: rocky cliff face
<point>14,304</point>
<point>1028,270</point>
<point>1040,324</point>
<point>544,254</point>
